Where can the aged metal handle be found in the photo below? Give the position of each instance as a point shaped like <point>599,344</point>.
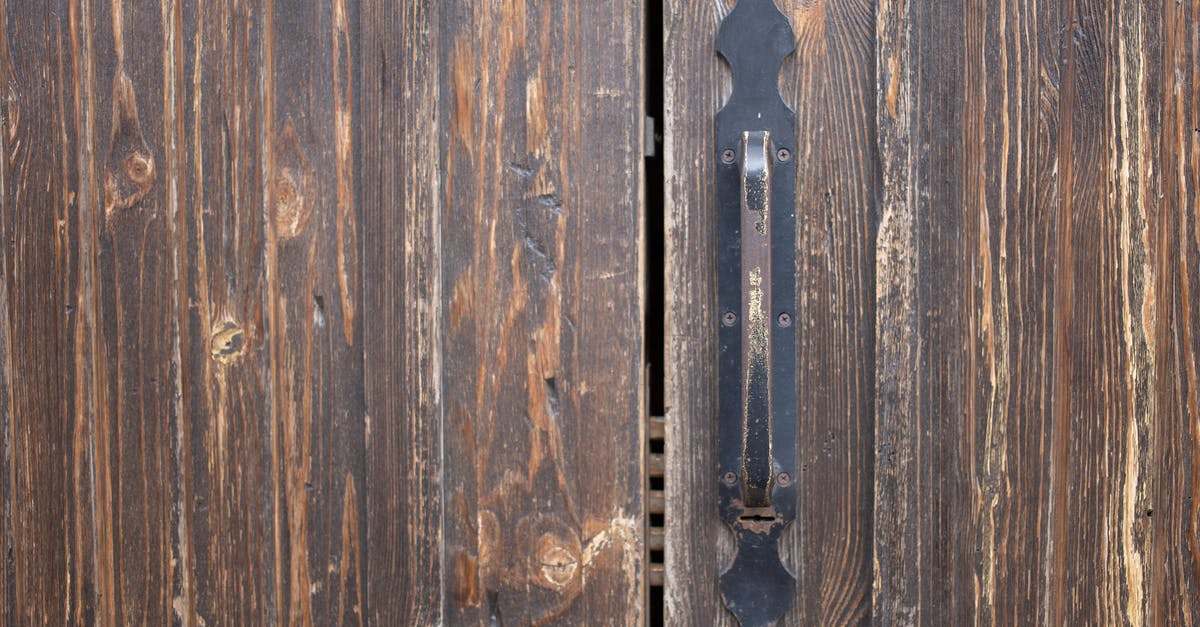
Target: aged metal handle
<point>756,371</point>
<point>757,472</point>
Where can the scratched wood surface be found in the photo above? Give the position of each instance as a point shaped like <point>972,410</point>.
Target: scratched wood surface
<point>542,280</point>
<point>830,83</point>
<point>1036,429</point>
<point>261,259</point>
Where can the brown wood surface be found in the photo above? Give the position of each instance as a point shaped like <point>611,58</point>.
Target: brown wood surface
<point>998,246</point>
<point>1036,428</point>
<point>542,280</point>
<point>226,333</point>
<point>331,312</point>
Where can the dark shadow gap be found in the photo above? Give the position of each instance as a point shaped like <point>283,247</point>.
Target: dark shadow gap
<point>655,322</point>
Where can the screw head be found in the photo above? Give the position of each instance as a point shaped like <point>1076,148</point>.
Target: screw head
<point>729,478</point>
<point>729,319</point>
<point>784,479</point>
<point>784,154</point>
<point>728,155</point>
<point>785,319</point>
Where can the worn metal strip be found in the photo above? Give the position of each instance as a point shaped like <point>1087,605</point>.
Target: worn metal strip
<point>756,183</point>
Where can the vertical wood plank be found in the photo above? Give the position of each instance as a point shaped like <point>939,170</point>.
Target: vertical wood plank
<point>830,84</point>
<point>698,546</point>
<point>402,310</point>
<point>225,439</point>
<point>136,316</point>
<point>544,496</point>
<point>1032,342</point>
<point>311,252</point>
<point>1174,563</point>
<point>46,502</point>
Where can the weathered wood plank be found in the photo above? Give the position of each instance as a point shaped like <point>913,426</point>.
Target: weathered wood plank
<point>45,460</point>
<point>542,119</point>
<point>136,313</point>
<point>1032,342</point>
<point>829,83</point>
<point>312,279</point>
<point>1172,240</point>
<point>698,546</point>
<point>402,221</point>
<point>225,439</point>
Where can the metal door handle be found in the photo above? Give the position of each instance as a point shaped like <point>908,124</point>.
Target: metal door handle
<point>756,289</point>
<point>756,470</point>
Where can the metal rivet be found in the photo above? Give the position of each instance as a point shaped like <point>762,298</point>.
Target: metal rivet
<point>784,154</point>
<point>785,479</point>
<point>729,319</point>
<point>730,478</point>
<point>728,156</point>
<point>785,319</point>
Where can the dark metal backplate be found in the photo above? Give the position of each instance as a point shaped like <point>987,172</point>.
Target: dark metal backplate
<point>755,39</point>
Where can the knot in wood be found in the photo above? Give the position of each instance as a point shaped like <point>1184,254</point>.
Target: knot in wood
<point>559,561</point>
<point>228,342</point>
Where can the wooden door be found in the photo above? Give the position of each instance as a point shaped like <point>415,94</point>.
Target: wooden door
<point>396,313</point>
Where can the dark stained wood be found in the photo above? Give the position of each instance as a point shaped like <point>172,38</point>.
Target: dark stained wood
<point>542,285</point>
<point>1036,251</point>
<point>331,312</point>
<point>315,396</point>
<point>402,310</point>
<point>135,213</point>
<point>830,84</point>
<point>46,457</point>
<point>225,345</point>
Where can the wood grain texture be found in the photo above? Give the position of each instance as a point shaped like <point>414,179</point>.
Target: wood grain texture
<point>47,520</point>
<point>403,311</point>
<point>542,261</point>
<point>1035,416</point>
<point>830,84</point>
<point>311,263</point>
<point>225,345</point>
<point>194,445</point>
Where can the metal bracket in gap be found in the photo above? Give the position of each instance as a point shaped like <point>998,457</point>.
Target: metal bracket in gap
<point>756,291</point>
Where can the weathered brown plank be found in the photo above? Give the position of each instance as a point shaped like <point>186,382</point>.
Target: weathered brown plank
<point>542,116</point>
<point>136,313</point>
<point>1173,481</point>
<point>1032,342</point>
<point>225,439</point>
<point>44,466</point>
<point>312,278</point>
<point>402,325</point>
<point>829,83</point>
<point>697,545</point>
